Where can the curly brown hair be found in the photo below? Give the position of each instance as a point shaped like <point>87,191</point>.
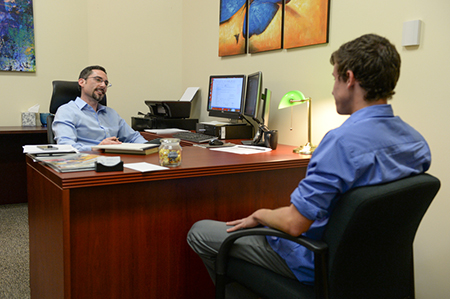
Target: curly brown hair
<point>374,62</point>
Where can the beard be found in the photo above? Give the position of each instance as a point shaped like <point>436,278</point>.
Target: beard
<point>98,94</point>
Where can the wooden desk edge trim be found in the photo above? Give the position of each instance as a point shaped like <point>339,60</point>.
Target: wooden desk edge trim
<point>137,177</point>
<point>6,130</point>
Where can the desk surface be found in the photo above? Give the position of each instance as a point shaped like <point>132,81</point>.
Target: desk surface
<point>123,234</point>
<point>22,130</point>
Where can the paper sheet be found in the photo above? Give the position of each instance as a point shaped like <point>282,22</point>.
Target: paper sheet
<point>34,109</point>
<point>109,161</point>
<point>144,166</point>
<point>242,149</point>
<point>189,94</point>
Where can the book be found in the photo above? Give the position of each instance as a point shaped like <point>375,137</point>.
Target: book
<point>71,162</point>
<point>128,148</point>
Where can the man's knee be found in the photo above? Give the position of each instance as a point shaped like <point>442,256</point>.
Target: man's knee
<point>195,232</point>
<point>206,236</point>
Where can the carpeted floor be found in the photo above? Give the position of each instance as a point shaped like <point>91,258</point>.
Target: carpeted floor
<point>14,252</point>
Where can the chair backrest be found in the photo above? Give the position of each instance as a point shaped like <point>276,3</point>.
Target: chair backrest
<point>63,92</point>
<point>370,236</point>
<point>50,135</point>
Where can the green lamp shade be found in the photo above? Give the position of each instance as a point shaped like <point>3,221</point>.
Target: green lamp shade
<point>292,98</point>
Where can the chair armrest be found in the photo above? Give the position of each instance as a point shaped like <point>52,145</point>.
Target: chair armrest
<point>319,248</point>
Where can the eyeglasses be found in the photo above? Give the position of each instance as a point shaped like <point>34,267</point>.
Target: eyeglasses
<point>100,80</point>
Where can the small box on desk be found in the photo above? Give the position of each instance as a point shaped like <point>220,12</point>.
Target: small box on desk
<point>99,167</point>
<point>226,131</point>
<point>28,119</point>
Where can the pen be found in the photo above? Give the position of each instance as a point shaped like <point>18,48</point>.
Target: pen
<point>252,147</point>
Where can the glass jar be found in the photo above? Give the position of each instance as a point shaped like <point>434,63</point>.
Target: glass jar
<point>170,152</point>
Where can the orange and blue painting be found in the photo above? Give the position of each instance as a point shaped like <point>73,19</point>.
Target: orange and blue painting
<point>233,21</point>
<point>265,21</point>
<point>305,23</point>
<point>17,36</point>
<point>271,25</point>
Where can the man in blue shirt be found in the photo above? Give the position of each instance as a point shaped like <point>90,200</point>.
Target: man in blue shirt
<point>84,122</point>
<point>371,147</point>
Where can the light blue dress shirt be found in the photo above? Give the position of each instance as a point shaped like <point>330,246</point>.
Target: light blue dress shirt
<point>372,146</point>
<point>78,124</point>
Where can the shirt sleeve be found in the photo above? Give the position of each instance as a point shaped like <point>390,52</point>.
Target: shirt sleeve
<point>64,129</point>
<point>330,173</point>
<point>127,134</point>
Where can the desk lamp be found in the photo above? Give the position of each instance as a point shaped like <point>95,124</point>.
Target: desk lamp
<point>291,99</point>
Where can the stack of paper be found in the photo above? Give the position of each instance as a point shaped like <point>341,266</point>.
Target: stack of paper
<point>48,149</point>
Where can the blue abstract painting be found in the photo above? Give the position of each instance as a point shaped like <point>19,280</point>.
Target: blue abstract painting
<point>17,36</point>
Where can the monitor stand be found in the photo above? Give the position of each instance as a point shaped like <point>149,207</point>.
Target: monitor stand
<point>263,125</point>
<point>258,140</point>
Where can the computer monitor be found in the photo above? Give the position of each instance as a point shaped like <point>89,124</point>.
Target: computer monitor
<point>257,103</point>
<point>226,96</point>
<point>253,95</point>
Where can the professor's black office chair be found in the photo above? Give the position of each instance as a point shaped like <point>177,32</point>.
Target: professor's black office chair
<point>366,251</point>
<point>63,92</point>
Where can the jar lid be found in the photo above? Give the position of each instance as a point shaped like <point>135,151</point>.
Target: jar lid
<point>170,140</point>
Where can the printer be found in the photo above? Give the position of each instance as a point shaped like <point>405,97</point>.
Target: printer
<point>167,114</point>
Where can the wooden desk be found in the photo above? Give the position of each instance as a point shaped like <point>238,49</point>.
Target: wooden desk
<point>13,171</point>
<point>123,234</point>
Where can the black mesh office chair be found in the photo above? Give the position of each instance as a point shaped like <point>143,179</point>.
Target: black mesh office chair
<point>63,92</point>
<point>366,251</point>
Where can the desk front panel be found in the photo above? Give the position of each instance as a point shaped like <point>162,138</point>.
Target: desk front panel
<point>128,240</point>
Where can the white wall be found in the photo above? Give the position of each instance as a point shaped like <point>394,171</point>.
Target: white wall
<point>155,49</point>
<point>139,43</point>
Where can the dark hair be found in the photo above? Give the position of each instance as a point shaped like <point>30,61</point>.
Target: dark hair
<point>374,62</point>
<point>88,70</point>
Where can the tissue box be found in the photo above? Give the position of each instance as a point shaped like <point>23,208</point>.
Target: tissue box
<point>28,119</point>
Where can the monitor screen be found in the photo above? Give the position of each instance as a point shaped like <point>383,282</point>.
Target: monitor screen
<point>226,96</point>
<point>253,95</point>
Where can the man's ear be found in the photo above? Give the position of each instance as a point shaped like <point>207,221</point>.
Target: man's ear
<point>81,82</point>
<point>351,81</point>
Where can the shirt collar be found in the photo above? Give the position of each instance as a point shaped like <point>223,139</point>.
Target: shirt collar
<point>82,104</point>
<point>384,110</point>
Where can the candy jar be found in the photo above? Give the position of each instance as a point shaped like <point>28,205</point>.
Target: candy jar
<point>170,152</point>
